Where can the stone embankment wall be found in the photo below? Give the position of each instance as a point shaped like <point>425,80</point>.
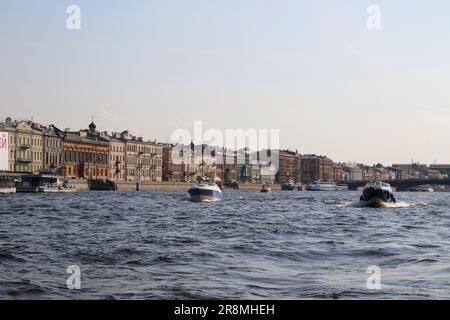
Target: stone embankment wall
<point>182,186</point>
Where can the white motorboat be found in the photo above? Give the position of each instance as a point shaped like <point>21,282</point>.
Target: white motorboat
<point>322,186</point>
<point>205,191</point>
<point>376,194</point>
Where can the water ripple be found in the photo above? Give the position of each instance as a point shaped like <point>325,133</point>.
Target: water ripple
<point>282,245</point>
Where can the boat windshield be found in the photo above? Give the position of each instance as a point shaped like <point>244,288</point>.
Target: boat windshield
<point>378,184</point>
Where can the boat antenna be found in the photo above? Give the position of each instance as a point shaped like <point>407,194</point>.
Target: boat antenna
<point>203,171</point>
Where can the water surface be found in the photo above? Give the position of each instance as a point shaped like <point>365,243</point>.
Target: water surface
<point>279,245</point>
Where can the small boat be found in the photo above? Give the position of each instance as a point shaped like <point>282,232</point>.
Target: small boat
<point>289,186</point>
<point>376,194</point>
<point>422,188</point>
<point>322,186</point>
<point>205,191</point>
<point>342,187</point>
<point>7,184</point>
<point>232,185</point>
<point>102,185</point>
<point>42,182</point>
<point>266,188</point>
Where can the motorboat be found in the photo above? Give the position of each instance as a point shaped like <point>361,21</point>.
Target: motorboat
<point>321,186</point>
<point>290,185</point>
<point>7,184</point>
<point>42,182</point>
<point>266,188</point>
<point>422,188</point>
<point>205,191</point>
<point>376,194</point>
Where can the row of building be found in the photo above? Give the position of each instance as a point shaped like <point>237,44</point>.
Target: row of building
<point>121,156</point>
<point>83,154</point>
<point>307,168</point>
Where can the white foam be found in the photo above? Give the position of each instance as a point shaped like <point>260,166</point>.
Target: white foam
<point>398,204</point>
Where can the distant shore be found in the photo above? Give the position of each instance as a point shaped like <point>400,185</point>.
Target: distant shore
<point>180,186</point>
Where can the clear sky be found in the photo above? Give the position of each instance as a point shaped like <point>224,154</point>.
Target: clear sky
<point>310,68</point>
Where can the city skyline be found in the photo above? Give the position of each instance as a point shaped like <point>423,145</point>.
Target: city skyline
<point>371,96</point>
<point>102,133</point>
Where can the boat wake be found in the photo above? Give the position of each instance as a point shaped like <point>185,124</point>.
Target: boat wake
<point>378,194</point>
<point>381,204</point>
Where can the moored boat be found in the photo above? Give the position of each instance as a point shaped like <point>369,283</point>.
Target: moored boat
<point>205,191</point>
<point>422,188</point>
<point>342,187</point>
<point>232,185</point>
<point>376,194</point>
<point>7,184</point>
<point>42,182</point>
<point>322,186</point>
<point>101,185</point>
<point>290,185</point>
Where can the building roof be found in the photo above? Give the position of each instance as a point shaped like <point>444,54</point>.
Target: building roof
<point>70,136</point>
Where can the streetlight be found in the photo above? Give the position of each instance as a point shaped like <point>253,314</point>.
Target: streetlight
<point>138,168</point>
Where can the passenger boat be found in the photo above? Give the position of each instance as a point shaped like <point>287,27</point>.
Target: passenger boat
<point>290,185</point>
<point>342,187</point>
<point>7,184</point>
<point>42,182</point>
<point>266,188</point>
<point>205,191</point>
<point>422,188</point>
<point>101,185</point>
<point>376,194</point>
<point>322,186</point>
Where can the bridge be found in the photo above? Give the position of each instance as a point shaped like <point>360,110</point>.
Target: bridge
<point>402,185</point>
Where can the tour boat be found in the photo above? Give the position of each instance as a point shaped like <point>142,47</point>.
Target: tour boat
<point>205,191</point>
<point>322,186</point>
<point>422,188</point>
<point>266,188</point>
<point>376,194</point>
<point>342,187</point>
<point>42,182</point>
<point>7,184</point>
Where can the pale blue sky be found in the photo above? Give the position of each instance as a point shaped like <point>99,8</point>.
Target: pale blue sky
<point>309,68</point>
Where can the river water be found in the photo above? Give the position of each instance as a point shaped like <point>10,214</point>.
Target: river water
<point>280,245</point>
